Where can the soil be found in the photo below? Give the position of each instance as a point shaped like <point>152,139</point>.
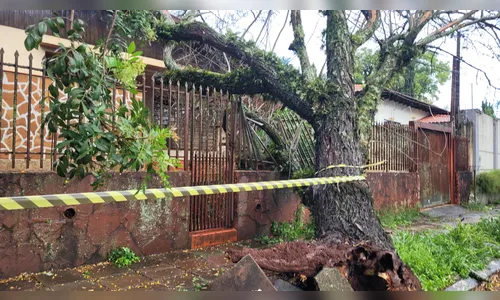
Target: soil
<point>367,268</point>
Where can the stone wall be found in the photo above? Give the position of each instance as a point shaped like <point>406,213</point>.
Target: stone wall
<point>256,211</point>
<point>19,112</point>
<point>391,189</point>
<point>40,239</point>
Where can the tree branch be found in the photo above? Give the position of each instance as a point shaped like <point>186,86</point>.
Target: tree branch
<point>299,47</point>
<point>264,26</point>
<point>455,25</point>
<point>279,80</point>
<point>115,13</point>
<point>251,24</point>
<point>268,129</point>
<point>279,34</point>
<point>373,21</point>
<point>239,81</point>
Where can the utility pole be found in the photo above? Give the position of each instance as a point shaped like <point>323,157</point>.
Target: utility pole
<point>455,120</point>
<point>455,87</point>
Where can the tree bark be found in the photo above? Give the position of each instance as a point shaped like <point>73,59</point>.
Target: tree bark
<point>346,209</point>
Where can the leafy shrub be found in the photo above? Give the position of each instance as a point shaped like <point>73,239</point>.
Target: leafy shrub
<point>290,231</point>
<point>122,257</point>
<point>489,182</point>
<point>438,259</point>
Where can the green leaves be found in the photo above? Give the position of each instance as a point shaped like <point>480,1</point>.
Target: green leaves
<point>53,27</point>
<point>131,48</point>
<point>81,105</point>
<point>42,28</point>
<point>60,22</point>
<point>122,257</point>
<point>29,42</point>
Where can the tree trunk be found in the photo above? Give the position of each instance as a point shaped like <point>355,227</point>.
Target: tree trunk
<point>345,210</point>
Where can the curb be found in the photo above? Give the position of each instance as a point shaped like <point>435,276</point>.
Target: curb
<point>477,277</point>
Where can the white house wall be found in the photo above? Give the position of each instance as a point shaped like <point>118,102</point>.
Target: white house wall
<point>486,141</point>
<point>392,111</point>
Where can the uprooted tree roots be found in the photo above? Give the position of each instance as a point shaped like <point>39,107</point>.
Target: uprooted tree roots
<point>366,267</point>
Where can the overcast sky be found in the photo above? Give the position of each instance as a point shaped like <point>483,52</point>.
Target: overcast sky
<point>314,24</point>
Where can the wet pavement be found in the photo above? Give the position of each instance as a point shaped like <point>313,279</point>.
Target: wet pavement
<point>188,270</point>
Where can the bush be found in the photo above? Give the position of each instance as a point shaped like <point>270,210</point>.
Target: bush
<point>489,182</point>
<point>122,257</point>
<point>290,231</point>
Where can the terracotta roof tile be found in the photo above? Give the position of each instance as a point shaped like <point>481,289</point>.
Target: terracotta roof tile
<point>435,119</point>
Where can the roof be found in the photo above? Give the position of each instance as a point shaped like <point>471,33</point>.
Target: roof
<point>408,101</point>
<point>435,119</point>
<point>412,102</point>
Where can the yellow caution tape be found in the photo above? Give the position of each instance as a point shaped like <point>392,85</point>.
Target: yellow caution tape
<point>25,202</point>
<point>354,167</point>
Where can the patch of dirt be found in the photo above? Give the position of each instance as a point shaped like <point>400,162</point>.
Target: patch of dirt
<point>367,268</point>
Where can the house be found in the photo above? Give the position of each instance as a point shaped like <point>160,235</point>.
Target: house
<point>400,108</point>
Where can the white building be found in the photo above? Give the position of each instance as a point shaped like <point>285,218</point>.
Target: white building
<point>400,108</point>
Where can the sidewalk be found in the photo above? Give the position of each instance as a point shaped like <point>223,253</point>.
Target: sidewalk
<point>187,270</point>
<point>440,217</point>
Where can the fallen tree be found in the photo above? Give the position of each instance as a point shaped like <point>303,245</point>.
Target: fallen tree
<point>341,120</point>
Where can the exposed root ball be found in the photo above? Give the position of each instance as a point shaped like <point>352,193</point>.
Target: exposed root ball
<point>366,267</point>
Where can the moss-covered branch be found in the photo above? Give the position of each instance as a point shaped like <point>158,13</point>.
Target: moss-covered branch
<point>268,129</point>
<point>239,81</point>
<point>391,60</point>
<point>299,47</point>
<point>281,81</point>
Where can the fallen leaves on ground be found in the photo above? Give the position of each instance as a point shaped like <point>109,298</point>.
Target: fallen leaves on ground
<point>492,286</point>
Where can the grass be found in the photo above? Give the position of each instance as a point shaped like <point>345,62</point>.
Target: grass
<point>396,218</point>
<point>476,206</point>
<point>439,259</point>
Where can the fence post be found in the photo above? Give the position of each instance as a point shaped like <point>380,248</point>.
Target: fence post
<point>14,108</point>
<point>187,159</point>
<point>28,140</point>
<point>1,93</point>
<point>42,108</point>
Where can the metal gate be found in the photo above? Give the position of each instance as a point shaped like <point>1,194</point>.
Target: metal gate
<point>204,121</point>
<point>434,163</point>
<point>212,153</point>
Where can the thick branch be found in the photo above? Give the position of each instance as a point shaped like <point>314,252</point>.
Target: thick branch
<point>373,19</point>
<point>268,129</point>
<point>267,67</point>
<point>391,60</point>
<point>298,45</point>
<point>239,81</point>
